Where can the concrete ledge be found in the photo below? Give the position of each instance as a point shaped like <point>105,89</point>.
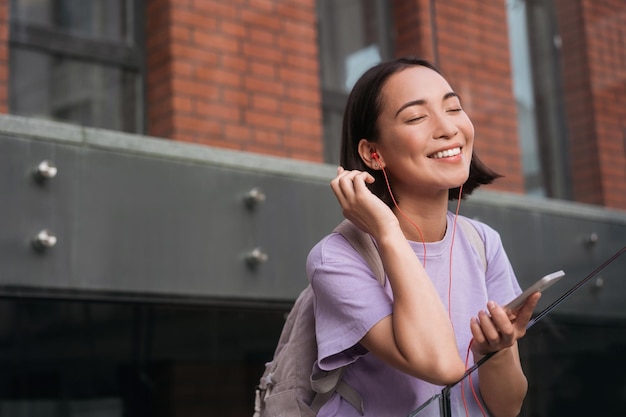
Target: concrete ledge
<point>72,135</point>
<point>68,134</point>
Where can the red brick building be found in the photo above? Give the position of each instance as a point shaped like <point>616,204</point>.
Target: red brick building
<point>247,75</point>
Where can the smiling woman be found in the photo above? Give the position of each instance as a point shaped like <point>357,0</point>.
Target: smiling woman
<point>364,109</point>
<point>422,118</point>
<point>407,149</point>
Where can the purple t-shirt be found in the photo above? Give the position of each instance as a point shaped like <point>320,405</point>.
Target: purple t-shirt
<point>349,301</point>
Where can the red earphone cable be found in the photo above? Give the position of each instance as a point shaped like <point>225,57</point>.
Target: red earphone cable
<point>482,410</point>
<point>456,215</point>
<point>404,215</point>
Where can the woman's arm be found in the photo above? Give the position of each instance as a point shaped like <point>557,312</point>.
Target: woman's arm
<point>417,337</point>
<point>503,384</point>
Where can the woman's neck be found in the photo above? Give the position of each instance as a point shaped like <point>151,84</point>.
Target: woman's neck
<point>429,215</point>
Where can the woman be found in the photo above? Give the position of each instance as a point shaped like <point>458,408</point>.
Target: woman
<point>407,148</point>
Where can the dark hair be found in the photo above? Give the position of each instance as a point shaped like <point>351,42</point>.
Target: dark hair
<point>360,118</point>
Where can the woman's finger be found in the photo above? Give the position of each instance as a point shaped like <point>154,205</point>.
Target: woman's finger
<point>488,328</point>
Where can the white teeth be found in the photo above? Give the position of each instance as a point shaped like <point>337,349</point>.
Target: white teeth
<point>447,153</point>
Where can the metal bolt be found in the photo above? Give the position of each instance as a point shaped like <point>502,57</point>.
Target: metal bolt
<point>254,197</point>
<point>45,170</point>
<point>592,239</point>
<point>599,283</point>
<point>256,257</point>
<point>45,239</point>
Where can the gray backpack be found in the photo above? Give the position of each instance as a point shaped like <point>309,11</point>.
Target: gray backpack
<point>289,387</point>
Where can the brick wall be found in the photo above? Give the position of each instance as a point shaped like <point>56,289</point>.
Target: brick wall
<point>244,75</point>
<point>595,97</point>
<point>577,96</point>
<point>607,53</point>
<point>413,28</point>
<point>4,56</point>
<point>473,52</point>
<point>241,74</point>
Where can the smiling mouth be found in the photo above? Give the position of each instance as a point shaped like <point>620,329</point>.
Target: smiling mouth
<point>446,154</point>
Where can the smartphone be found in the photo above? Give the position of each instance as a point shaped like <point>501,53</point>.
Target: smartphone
<point>540,286</point>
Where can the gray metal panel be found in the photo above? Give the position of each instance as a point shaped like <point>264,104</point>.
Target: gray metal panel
<point>183,228</point>
<point>142,224</point>
<point>139,215</point>
<point>542,237</point>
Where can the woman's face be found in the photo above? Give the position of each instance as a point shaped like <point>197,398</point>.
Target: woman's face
<point>426,138</point>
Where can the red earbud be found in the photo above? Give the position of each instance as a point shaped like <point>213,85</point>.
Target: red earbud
<point>374,155</point>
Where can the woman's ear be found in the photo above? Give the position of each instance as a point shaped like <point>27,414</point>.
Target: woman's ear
<point>370,155</point>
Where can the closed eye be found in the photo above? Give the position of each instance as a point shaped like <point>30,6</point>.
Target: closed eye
<point>415,119</point>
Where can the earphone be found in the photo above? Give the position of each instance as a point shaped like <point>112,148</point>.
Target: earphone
<point>375,158</point>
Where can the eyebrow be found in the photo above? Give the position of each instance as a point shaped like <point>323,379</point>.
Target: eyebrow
<point>421,102</point>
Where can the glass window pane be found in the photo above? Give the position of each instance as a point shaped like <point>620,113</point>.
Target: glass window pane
<point>537,76</point>
<point>576,367</point>
<point>524,96</point>
<point>354,35</point>
<point>332,123</point>
<point>69,90</point>
<point>96,18</point>
<point>72,358</point>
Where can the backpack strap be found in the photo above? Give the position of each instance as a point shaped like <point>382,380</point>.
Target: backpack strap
<point>364,244</point>
<point>326,383</point>
<point>477,242</point>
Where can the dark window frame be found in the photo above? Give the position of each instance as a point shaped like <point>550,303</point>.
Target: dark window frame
<point>545,55</point>
<point>334,100</point>
<point>127,54</point>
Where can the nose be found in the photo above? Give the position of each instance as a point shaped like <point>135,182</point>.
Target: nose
<point>444,127</point>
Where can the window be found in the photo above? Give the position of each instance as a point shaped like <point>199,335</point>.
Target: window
<point>354,35</point>
<point>535,57</point>
<point>77,61</point>
<point>575,366</point>
<point>144,359</point>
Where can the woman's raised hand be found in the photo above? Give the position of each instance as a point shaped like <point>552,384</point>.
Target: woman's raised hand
<point>359,204</point>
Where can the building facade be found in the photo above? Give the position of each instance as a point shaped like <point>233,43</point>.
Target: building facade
<point>167,119</point>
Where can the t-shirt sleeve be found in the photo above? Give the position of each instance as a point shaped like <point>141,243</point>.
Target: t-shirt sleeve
<point>349,301</point>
